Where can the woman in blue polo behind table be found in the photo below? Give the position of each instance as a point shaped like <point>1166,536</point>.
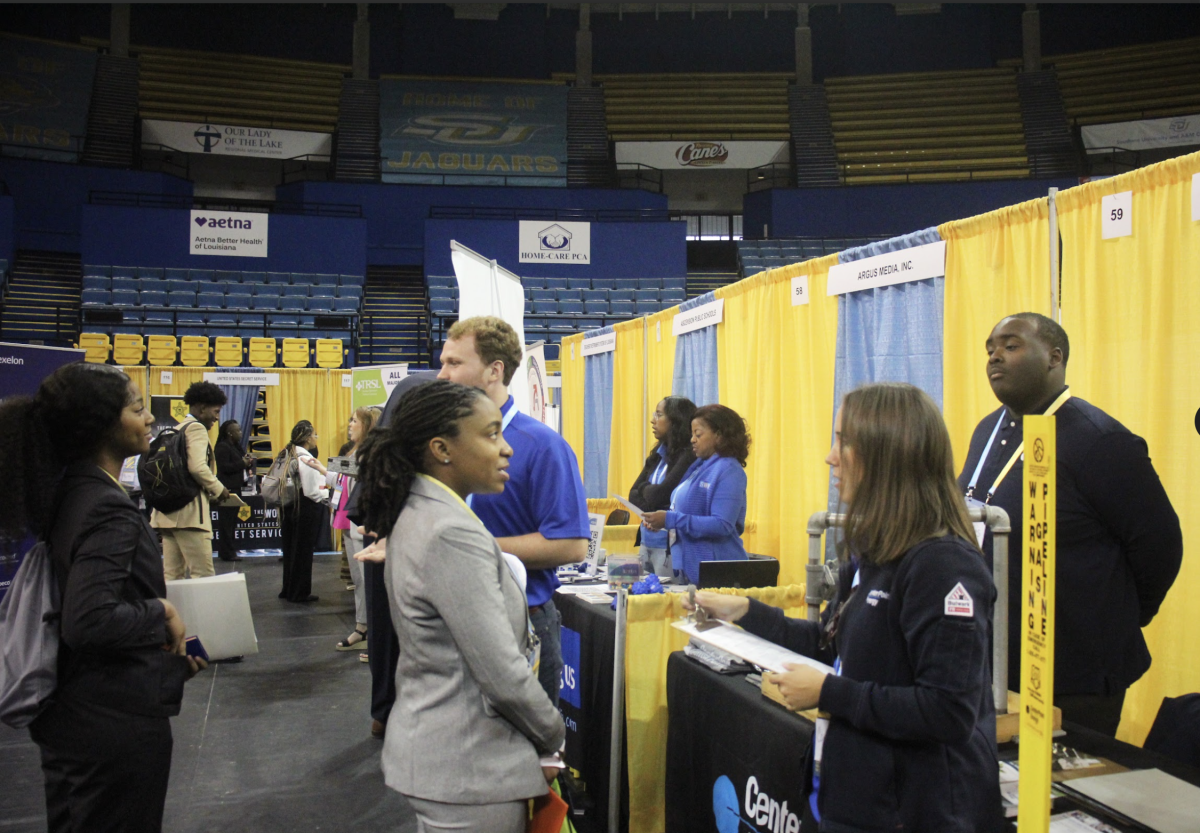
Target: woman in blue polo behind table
<point>665,469</point>
<point>708,509</point>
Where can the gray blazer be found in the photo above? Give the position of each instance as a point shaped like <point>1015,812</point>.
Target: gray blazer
<point>470,718</point>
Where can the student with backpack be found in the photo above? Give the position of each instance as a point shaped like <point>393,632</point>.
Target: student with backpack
<point>187,531</point>
<point>104,733</point>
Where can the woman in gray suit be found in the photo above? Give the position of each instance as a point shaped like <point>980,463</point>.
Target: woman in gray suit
<point>472,736</point>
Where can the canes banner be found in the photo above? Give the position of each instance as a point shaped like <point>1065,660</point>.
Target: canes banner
<point>22,369</point>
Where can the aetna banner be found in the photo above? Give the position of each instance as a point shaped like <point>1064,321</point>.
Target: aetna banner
<point>701,154</point>
<point>228,233</point>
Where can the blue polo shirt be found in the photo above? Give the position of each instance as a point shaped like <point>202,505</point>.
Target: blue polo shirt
<point>544,494</point>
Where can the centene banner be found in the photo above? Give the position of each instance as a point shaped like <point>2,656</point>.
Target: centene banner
<point>234,140</point>
<point>563,244</point>
<point>701,155</point>
<point>1140,135</point>
<point>912,264</point>
<point>228,233</point>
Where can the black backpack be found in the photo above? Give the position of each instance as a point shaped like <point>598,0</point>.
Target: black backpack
<point>167,485</point>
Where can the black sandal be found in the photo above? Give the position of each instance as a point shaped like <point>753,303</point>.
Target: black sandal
<point>356,641</point>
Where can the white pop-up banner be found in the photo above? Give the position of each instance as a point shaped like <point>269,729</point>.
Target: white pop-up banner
<point>912,264</point>
<point>228,233</point>
<point>233,140</point>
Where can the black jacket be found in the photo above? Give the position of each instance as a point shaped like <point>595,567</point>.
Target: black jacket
<point>650,497</point>
<point>911,744</point>
<point>109,567</point>
<point>231,471</point>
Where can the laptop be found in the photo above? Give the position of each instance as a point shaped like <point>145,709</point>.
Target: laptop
<point>754,572</point>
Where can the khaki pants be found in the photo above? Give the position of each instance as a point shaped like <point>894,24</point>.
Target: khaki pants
<point>187,553</point>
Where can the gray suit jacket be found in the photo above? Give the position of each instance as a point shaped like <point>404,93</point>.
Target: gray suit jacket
<point>470,718</point>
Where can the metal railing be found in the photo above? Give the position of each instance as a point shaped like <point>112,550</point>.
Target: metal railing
<point>132,199</point>
<point>1111,161</point>
<point>772,175</point>
<point>637,175</point>
<point>470,212</point>
<point>108,315</point>
<point>27,150</point>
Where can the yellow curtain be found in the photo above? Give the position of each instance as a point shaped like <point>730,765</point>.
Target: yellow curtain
<point>630,421</point>
<point>660,363</point>
<point>996,264</point>
<point>571,357</point>
<point>776,364</point>
<point>138,374</point>
<point>314,394</point>
<point>649,641</point>
<point>1131,307</point>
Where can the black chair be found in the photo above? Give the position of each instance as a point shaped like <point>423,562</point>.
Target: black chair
<point>617,517</point>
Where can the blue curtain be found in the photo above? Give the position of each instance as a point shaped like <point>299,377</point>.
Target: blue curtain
<point>597,418</point>
<point>241,403</point>
<point>696,360</point>
<point>890,334</point>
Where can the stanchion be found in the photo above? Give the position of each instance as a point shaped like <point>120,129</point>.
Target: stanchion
<point>618,717</point>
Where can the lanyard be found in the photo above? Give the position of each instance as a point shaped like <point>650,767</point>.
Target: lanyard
<point>453,494</point>
<point>659,473</point>
<point>1017,452</point>
<point>504,423</point>
<point>987,449</point>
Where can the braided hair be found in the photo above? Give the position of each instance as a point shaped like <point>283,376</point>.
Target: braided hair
<point>301,431</point>
<point>390,458</point>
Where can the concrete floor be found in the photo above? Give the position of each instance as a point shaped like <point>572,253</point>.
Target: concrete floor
<point>279,742</point>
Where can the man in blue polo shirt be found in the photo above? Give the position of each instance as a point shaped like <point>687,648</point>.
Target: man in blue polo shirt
<point>541,516</point>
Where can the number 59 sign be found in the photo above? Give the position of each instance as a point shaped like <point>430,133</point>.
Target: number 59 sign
<point>1116,215</point>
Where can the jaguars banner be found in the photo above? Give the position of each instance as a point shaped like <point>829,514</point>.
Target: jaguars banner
<point>45,89</point>
<point>435,132</point>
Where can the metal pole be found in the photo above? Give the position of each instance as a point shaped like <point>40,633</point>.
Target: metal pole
<point>618,717</point>
<point>645,381</point>
<point>1055,312</point>
<point>997,520</point>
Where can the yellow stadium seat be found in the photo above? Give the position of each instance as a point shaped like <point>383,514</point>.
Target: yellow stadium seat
<point>227,351</point>
<point>97,346</point>
<point>161,350</point>
<point>128,348</point>
<point>329,352</point>
<point>295,352</point>
<point>263,352</point>
<point>193,351</point>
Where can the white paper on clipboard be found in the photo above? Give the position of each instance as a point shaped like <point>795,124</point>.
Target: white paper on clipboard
<point>753,649</point>
<point>633,510</point>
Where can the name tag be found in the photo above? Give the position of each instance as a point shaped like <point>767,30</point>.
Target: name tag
<point>705,485</point>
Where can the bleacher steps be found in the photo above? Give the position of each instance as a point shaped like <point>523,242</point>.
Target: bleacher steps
<point>41,301</point>
<point>395,317</point>
<point>1048,133</point>
<point>356,151</point>
<point>589,164</point>
<point>814,157</point>
<point>112,114</point>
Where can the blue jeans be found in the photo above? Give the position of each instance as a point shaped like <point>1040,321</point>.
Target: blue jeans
<point>546,622</point>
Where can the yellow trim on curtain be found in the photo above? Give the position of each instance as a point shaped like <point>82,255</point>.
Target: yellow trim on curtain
<point>997,264</point>
<point>314,394</point>
<point>649,641</point>
<point>626,454</point>
<point>660,363</point>
<point>776,366</point>
<point>1131,307</point>
<point>570,356</point>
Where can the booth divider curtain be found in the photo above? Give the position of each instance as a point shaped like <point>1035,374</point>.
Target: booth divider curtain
<point>571,393</point>
<point>997,264</point>
<point>139,375</point>
<point>597,419</point>
<point>649,641</point>
<point>696,359</point>
<point>660,363</point>
<point>629,427</point>
<point>314,394</point>
<point>242,402</point>
<point>1130,307</point>
<point>777,370</point>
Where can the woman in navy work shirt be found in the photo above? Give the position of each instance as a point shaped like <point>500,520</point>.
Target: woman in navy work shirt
<point>665,468</point>
<point>708,509</point>
<point>910,742</point>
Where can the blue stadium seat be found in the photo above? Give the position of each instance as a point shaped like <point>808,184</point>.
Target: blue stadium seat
<point>675,283</point>
<point>570,307</point>
<point>190,319</point>
<point>254,277</point>
<point>569,294</point>
<point>179,286</point>
<point>250,319</point>
<point>149,271</point>
<point>179,299</point>
<point>345,304</point>
<point>125,284</point>
<point>153,285</point>
<point>283,319</point>
<point>440,292</point>
<point>627,283</point>
<point>123,298</point>
<point>545,307</point>
<point>320,304</point>
<point>290,291</point>
<point>441,280</point>
<point>174,273</point>
<point>227,276</point>
<point>210,300</point>
<point>533,283</point>
<point>157,317</point>
<point>322,291</point>
<point>237,300</point>
<point>595,295</point>
<point>153,299</point>
<point>91,297</point>
<point>543,295</point>
<point>97,282</point>
<point>556,283</point>
<point>604,283</point>
<point>350,292</point>
<point>620,295</point>
<point>325,279</point>
<point>264,302</point>
<point>105,271</point>
<point>279,277</point>
<point>124,272</point>
<point>647,307</point>
<point>443,306</point>
<point>623,309</point>
<point>595,307</point>
<point>222,319</point>
<point>292,303</point>
<point>262,289</point>
<point>645,295</point>
<point>650,283</point>
<point>200,274</point>
<point>351,280</point>
<point>671,297</point>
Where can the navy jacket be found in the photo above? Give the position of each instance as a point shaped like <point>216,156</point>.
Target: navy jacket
<point>711,518</point>
<point>911,744</point>
<point>1119,545</point>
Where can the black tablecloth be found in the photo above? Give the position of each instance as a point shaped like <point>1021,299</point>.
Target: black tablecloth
<point>589,639</point>
<point>731,753</point>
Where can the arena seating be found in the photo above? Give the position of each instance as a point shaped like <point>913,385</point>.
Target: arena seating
<point>928,126</point>
<point>756,256</point>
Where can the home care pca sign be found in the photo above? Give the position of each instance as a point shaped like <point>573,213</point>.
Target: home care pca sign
<point>1038,553</point>
<point>563,244</point>
<point>228,233</point>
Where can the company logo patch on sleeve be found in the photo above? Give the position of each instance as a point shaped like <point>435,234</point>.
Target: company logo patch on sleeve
<point>959,602</point>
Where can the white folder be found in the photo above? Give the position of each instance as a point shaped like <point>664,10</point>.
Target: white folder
<point>216,609</point>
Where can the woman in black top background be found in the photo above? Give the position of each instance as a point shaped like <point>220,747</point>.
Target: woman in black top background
<point>664,469</point>
<point>232,466</point>
<point>105,736</point>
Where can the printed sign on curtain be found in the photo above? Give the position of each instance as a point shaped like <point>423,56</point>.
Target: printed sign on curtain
<point>370,387</point>
<point>234,140</point>
<point>44,97</point>
<point>444,132</point>
<point>228,233</point>
<point>916,263</point>
<point>560,243</point>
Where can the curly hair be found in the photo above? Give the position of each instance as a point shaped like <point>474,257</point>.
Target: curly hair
<point>495,340</point>
<point>204,393</point>
<point>69,419</point>
<point>679,410</point>
<point>733,440</point>
<point>390,458</point>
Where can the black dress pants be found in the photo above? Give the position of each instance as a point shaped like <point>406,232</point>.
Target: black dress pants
<point>227,521</point>
<point>298,526</point>
<point>105,771</point>
<point>384,653</point>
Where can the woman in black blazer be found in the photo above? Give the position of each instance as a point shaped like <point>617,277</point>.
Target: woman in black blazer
<point>664,469</point>
<point>105,735</point>
<point>232,466</point>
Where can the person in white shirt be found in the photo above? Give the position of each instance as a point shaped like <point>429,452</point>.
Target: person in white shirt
<point>301,520</point>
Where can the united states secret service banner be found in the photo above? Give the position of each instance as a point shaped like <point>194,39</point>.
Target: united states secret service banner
<point>45,89</point>
<point>434,132</point>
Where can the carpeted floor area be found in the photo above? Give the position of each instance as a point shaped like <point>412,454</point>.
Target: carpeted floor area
<point>279,742</point>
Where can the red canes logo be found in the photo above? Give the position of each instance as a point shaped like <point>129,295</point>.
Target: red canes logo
<point>702,154</point>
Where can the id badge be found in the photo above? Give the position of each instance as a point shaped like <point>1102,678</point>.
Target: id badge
<point>337,497</point>
<point>671,537</point>
<point>819,730</point>
<point>534,654</point>
<point>980,526</point>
